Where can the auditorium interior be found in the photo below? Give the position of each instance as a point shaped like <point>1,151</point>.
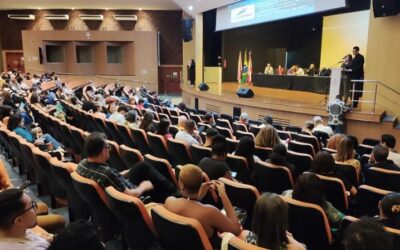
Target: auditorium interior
<point>196,124</point>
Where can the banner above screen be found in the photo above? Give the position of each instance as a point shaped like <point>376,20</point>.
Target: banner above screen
<point>249,12</point>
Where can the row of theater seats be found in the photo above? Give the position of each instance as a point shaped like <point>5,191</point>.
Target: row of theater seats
<point>318,237</point>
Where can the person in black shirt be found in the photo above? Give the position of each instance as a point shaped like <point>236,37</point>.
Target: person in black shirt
<point>215,167</point>
<point>379,159</point>
<point>278,157</point>
<point>389,210</point>
<point>324,164</point>
<point>357,73</point>
<point>136,181</point>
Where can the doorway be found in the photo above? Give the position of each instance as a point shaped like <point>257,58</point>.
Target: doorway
<point>14,60</point>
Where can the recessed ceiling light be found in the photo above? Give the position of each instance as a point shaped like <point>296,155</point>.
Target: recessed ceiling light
<point>39,8</point>
<point>72,8</point>
<point>106,8</point>
<point>190,7</point>
<point>140,9</point>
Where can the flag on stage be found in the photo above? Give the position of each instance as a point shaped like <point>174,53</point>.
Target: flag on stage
<point>244,68</point>
<point>250,68</point>
<point>239,70</point>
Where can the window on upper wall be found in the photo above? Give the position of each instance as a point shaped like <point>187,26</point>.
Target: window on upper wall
<point>84,54</point>
<point>114,54</point>
<point>55,54</point>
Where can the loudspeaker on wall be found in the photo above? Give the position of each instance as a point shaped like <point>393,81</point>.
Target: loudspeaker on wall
<point>187,30</point>
<point>384,8</point>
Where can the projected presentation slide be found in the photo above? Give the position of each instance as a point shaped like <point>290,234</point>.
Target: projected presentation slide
<point>251,12</point>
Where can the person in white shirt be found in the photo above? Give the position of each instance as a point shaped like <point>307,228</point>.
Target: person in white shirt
<point>319,126</point>
<point>18,228</point>
<point>299,71</point>
<point>188,134</point>
<point>119,115</point>
<point>269,70</point>
<point>389,141</point>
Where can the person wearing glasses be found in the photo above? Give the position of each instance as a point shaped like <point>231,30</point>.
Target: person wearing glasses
<point>140,180</point>
<point>18,224</point>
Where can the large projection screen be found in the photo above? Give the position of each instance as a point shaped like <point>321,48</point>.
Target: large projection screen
<point>251,12</point>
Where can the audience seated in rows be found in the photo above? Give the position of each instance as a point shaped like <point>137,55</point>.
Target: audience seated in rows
<point>35,135</point>
<point>379,159</point>
<point>189,135</point>
<point>211,218</point>
<point>389,210</point>
<point>78,235</point>
<point>270,225</point>
<point>210,134</point>
<point>246,148</point>
<point>163,129</point>
<point>118,115</point>
<point>309,188</point>
<point>345,153</point>
<point>267,137</point>
<point>215,167</point>
<point>147,123</point>
<point>140,179</point>
<point>18,222</point>
<point>389,141</point>
<point>319,126</point>
<point>367,234</point>
<point>278,157</point>
<point>131,119</point>
<point>324,164</point>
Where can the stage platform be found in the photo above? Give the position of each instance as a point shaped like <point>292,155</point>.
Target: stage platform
<point>285,106</point>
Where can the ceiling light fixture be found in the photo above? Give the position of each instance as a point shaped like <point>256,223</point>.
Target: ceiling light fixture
<point>140,9</point>
<point>190,7</point>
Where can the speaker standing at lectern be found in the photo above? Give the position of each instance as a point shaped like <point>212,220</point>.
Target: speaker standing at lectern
<point>357,68</point>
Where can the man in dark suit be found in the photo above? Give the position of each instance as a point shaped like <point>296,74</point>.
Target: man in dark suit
<point>379,159</point>
<point>357,73</point>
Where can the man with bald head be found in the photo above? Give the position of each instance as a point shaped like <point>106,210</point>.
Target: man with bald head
<point>193,191</point>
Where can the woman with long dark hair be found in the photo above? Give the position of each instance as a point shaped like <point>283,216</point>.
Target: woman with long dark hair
<point>246,149</point>
<point>270,224</point>
<point>147,122</point>
<point>163,129</point>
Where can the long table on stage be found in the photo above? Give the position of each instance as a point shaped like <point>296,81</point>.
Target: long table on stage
<point>315,84</point>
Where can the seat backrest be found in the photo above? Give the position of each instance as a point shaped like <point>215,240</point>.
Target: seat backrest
<point>301,147</point>
<point>309,224</point>
<point>125,133</point>
<point>178,232</point>
<point>130,156</point>
<point>232,144</point>
<point>284,135</point>
<point>272,178</point>
<point>95,198</point>
<point>277,126</point>
<point>162,166</point>
<point>239,127</point>
<point>302,162</point>
<point>138,228</point>
<point>77,208</point>
<point>140,138</point>
<point>225,132</point>
<point>322,137</point>
<point>335,192</point>
<point>254,129</point>
<point>199,152</point>
<point>115,159</point>
<point>367,200</point>
<point>382,178</point>
<point>371,141</point>
<point>239,165</point>
<point>240,134</point>
<point>263,152</point>
<point>158,145</point>
<point>349,171</point>
<point>309,139</point>
<point>179,152</point>
<point>363,149</point>
<point>295,129</point>
<point>236,243</point>
<point>242,196</point>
